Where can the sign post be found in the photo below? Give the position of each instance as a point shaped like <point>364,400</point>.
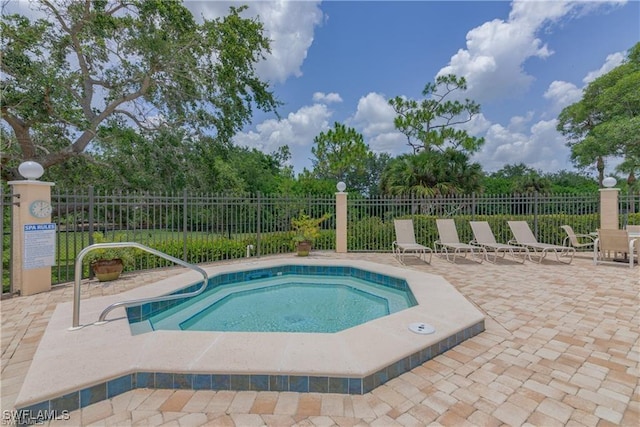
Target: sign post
<point>34,236</point>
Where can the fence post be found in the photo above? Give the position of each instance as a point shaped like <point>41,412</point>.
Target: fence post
<point>184,225</point>
<point>90,216</point>
<point>535,213</point>
<point>259,223</point>
<point>91,219</point>
<point>11,219</point>
<point>473,206</point>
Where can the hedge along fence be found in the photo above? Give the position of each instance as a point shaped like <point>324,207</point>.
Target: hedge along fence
<point>224,248</point>
<point>373,234</point>
<point>370,221</point>
<point>368,235</point>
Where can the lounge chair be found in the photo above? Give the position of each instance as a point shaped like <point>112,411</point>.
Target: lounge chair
<point>449,240</point>
<point>578,241</point>
<point>523,236</point>
<point>484,237</point>
<point>406,241</point>
<point>615,242</point>
<point>633,228</point>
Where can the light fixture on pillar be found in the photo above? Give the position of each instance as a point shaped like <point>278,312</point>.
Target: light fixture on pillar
<point>31,170</point>
<point>609,182</point>
<point>341,186</point>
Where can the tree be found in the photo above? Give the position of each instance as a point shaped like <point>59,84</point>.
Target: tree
<point>307,183</point>
<point>376,166</point>
<point>433,123</point>
<point>144,63</point>
<point>156,161</point>
<point>606,121</point>
<point>430,173</point>
<point>517,178</point>
<point>341,155</point>
<point>168,161</point>
<point>572,182</point>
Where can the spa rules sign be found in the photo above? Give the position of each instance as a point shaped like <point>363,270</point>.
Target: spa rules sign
<point>39,245</point>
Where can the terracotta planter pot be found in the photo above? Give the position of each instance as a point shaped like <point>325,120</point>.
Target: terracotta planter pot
<point>303,248</point>
<point>107,270</point>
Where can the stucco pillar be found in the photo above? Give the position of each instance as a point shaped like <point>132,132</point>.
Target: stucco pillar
<point>341,222</point>
<point>609,208</point>
<point>32,237</point>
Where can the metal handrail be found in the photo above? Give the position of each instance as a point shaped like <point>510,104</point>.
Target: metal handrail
<point>103,315</point>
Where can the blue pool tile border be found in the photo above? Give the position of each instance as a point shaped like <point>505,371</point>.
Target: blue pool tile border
<point>255,382</point>
<point>143,312</point>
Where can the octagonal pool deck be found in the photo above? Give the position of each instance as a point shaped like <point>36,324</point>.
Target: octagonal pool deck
<point>73,369</point>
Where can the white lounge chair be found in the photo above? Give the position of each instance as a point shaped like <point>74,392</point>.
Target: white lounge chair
<point>406,241</point>
<point>613,242</point>
<point>633,228</point>
<point>524,237</point>
<point>484,237</point>
<point>449,240</point>
<point>578,241</point>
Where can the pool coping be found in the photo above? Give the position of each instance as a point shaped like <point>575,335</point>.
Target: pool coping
<point>72,369</point>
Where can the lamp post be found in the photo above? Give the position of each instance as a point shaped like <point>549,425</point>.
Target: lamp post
<point>609,204</point>
<point>31,170</point>
<point>33,235</point>
<point>341,218</point>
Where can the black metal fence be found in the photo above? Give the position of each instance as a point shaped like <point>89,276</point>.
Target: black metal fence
<point>201,228</point>
<point>370,221</point>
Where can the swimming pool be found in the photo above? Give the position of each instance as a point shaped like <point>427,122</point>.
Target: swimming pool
<point>73,369</point>
<point>280,299</point>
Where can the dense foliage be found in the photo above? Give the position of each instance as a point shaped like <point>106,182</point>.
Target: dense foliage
<point>89,66</point>
<point>340,154</point>
<point>606,121</point>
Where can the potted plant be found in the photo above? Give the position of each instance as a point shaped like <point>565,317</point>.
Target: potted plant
<point>307,230</point>
<point>108,263</point>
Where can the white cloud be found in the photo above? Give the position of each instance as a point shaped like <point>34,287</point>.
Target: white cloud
<point>611,62</point>
<point>493,61</point>
<point>561,94</point>
<point>289,25</point>
<point>374,119</point>
<point>493,64</point>
<point>374,114</point>
<point>477,125</point>
<point>520,123</point>
<point>541,147</point>
<point>297,131</point>
<point>326,98</point>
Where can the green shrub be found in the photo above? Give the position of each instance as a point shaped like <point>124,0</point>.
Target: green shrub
<point>127,254</point>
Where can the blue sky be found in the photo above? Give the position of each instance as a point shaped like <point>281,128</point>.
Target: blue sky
<point>524,61</point>
<point>341,61</point>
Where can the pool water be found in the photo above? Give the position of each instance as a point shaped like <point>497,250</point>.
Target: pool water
<point>290,307</point>
<point>283,303</point>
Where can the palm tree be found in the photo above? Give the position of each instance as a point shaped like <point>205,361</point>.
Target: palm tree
<point>431,173</point>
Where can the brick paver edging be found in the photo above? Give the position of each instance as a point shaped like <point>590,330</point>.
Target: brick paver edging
<point>254,382</point>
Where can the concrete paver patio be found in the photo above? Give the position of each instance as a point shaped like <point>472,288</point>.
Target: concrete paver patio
<point>561,347</point>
